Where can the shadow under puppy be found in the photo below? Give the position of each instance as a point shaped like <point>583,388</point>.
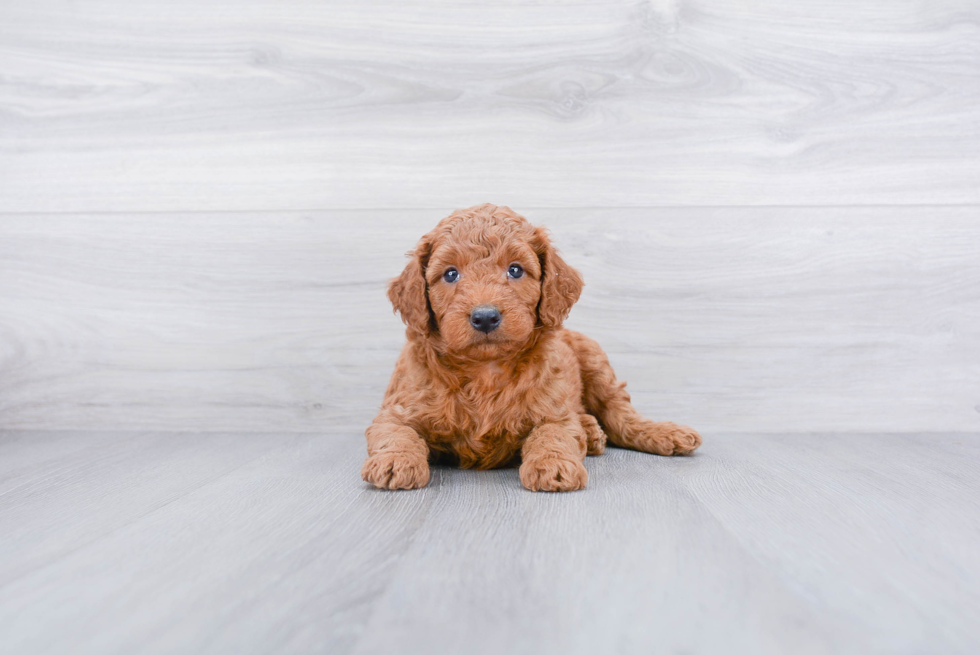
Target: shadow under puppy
<point>488,375</point>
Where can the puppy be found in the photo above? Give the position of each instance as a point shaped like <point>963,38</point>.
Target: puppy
<point>489,377</point>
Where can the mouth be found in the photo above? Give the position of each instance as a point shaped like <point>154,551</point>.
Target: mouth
<point>486,342</point>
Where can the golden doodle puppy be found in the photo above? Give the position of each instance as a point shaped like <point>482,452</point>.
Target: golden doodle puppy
<point>489,377</point>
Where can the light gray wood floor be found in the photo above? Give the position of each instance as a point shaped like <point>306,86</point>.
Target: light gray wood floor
<point>270,543</point>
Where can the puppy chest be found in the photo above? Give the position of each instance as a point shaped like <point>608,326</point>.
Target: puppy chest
<point>473,421</point>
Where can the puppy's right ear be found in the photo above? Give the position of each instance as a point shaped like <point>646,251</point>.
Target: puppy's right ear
<point>409,293</point>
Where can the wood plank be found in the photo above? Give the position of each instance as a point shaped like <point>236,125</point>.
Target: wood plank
<point>771,319</point>
<point>758,544</point>
<point>283,553</point>
<point>117,106</point>
<point>878,530</point>
<point>630,565</point>
<point>833,543</point>
<point>56,504</point>
<point>822,543</point>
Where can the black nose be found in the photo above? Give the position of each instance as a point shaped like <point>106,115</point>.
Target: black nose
<point>485,318</point>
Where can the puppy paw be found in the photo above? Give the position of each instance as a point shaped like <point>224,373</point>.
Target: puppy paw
<point>395,470</point>
<point>686,440</point>
<point>553,474</point>
<point>595,438</point>
<point>666,438</point>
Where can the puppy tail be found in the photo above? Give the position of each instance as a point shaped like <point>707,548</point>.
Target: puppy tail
<point>606,398</point>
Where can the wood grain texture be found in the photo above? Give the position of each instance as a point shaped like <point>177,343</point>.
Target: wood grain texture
<point>824,543</point>
<point>771,319</point>
<point>774,205</point>
<point>228,105</point>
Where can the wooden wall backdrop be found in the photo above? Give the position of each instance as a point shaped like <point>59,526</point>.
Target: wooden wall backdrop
<point>775,204</point>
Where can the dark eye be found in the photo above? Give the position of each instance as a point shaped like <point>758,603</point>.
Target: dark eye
<point>515,271</point>
<point>451,275</point>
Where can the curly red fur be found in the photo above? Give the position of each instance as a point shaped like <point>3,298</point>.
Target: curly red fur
<point>528,390</point>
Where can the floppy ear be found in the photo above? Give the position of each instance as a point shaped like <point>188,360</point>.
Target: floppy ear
<point>409,293</point>
<point>561,285</point>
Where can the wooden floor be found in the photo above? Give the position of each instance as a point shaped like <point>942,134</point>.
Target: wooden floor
<point>269,543</point>
<point>775,208</point>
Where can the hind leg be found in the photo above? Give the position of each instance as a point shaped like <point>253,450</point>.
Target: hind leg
<point>607,399</point>
<point>659,438</point>
<point>595,438</point>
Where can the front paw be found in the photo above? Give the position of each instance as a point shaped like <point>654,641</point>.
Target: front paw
<point>396,470</point>
<point>553,474</point>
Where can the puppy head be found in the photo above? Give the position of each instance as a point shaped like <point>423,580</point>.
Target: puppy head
<point>482,281</point>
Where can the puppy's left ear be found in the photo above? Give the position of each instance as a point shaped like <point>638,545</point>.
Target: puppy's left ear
<point>561,285</point>
<point>409,292</point>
